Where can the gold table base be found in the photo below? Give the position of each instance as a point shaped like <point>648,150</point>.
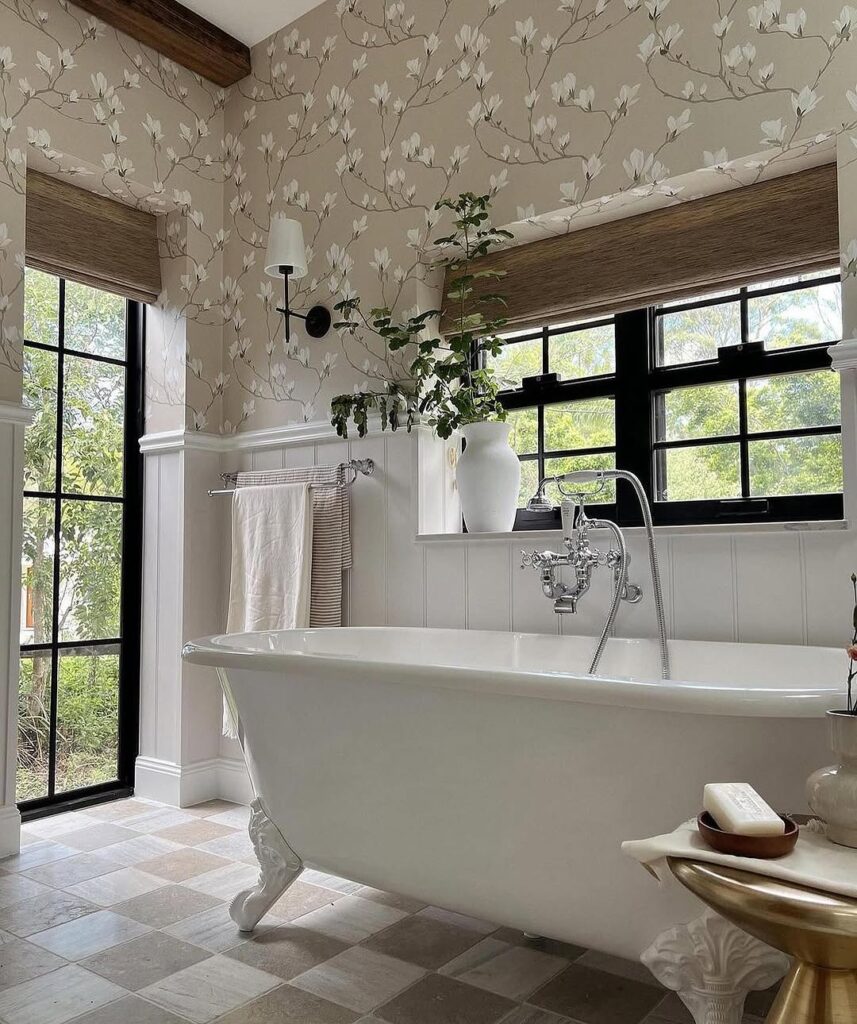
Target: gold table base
<point>817,929</point>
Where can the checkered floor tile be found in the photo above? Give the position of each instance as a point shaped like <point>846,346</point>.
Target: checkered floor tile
<point>119,915</point>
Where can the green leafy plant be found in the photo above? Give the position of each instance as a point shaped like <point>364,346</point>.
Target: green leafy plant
<point>448,383</point>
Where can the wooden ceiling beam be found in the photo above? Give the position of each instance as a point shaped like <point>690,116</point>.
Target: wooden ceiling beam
<point>178,33</point>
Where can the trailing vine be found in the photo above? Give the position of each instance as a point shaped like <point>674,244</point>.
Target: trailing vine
<point>450,382</point>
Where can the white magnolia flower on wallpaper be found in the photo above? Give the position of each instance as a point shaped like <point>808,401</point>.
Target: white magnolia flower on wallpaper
<point>718,160</point>
<point>805,101</point>
<point>773,132</point>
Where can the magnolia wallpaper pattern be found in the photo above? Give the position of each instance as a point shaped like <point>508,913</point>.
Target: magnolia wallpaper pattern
<point>363,114</point>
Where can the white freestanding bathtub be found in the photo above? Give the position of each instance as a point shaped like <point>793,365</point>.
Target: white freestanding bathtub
<point>488,774</point>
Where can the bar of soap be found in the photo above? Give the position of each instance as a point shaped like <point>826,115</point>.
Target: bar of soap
<point>738,808</point>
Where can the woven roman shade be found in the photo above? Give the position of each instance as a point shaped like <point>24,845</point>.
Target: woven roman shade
<point>767,230</point>
<point>87,238</point>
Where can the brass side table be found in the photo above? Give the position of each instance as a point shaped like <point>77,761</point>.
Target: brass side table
<point>817,929</point>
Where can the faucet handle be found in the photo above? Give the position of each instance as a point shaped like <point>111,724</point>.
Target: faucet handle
<point>571,503</point>
<point>538,559</point>
<point>542,559</point>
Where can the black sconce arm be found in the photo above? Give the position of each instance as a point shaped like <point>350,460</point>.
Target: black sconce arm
<point>317,320</point>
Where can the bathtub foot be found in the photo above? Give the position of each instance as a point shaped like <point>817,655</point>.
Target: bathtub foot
<point>279,864</point>
<point>713,965</point>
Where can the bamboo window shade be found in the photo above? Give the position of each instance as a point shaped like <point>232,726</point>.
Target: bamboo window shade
<point>762,231</point>
<point>91,239</point>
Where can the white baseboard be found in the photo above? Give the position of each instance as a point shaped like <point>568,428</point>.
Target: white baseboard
<point>10,831</point>
<point>233,781</point>
<point>158,780</point>
<point>219,778</point>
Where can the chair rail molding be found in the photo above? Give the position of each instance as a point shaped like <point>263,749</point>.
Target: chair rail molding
<point>12,412</point>
<point>180,440</point>
<point>285,436</point>
<point>843,355</point>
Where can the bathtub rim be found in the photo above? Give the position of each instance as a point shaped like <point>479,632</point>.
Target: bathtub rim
<point>677,696</point>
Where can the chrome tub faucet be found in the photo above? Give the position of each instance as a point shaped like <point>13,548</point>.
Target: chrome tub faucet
<point>581,556</point>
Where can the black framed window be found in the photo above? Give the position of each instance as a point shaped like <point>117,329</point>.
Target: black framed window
<point>725,405</point>
<point>79,674</point>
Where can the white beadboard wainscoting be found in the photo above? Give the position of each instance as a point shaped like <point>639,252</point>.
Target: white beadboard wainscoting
<point>752,584</point>
<point>774,585</point>
<point>13,419</point>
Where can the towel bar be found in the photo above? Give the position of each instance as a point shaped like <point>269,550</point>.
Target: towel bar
<point>355,466</point>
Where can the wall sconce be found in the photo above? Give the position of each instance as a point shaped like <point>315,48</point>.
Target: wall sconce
<point>286,258</point>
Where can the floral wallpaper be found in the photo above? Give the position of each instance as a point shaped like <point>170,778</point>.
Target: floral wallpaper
<point>80,100</point>
<point>361,115</point>
<point>364,113</point>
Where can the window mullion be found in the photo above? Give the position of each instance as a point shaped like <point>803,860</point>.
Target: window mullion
<point>745,317</point>
<point>633,409</point>
<point>744,445</point>
<point>540,417</point>
<point>55,597</point>
<point>541,409</point>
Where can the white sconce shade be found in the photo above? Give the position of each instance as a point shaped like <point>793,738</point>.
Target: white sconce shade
<point>285,247</point>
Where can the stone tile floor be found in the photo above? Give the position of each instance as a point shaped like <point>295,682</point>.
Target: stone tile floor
<point>119,915</point>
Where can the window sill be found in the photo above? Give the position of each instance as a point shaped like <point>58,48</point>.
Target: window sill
<point>548,536</point>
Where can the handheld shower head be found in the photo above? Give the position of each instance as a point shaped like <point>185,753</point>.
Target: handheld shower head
<point>539,503</point>
<point>588,476</point>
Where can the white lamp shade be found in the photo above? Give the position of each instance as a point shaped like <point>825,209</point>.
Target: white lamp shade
<point>285,247</point>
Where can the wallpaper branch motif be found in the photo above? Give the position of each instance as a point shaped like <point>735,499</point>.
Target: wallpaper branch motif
<point>359,118</point>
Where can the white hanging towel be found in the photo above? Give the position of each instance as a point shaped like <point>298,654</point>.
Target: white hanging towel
<point>271,577</point>
<point>331,533</point>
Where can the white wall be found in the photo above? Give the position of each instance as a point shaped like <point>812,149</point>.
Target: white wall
<point>784,585</point>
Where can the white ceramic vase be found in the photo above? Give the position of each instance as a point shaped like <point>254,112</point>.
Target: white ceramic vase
<point>489,477</point>
<point>832,792</point>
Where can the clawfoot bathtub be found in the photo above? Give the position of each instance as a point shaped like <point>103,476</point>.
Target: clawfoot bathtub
<point>488,773</point>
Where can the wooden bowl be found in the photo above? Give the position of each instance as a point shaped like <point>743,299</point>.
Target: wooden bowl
<point>760,847</point>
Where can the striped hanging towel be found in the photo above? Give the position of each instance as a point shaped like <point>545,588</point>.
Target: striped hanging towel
<point>331,536</point>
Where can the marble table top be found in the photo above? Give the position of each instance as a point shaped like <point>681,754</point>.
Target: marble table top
<point>815,863</point>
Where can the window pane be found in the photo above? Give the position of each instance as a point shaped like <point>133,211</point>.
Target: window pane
<point>518,359</point>
<point>34,726</point>
<point>529,481</point>
<point>590,352</point>
<point>708,411</point>
<point>90,570</point>
<point>87,717</point>
<point>808,316</point>
<point>693,335</point>
<point>94,321</point>
<point>706,471</point>
<point>793,400</point>
<point>40,438</point>
<point>587,424</point>
<point>93,426</point>
<point>599,495</point>
<point>41,307</point>
<point>796,465</point>
<point>524,436</point>
<point>37,571</point>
